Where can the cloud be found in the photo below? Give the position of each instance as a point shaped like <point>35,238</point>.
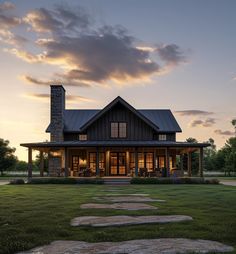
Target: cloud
<point>70,98</point>
<point>6,20</point>
<point>171,54</point>
<point>61,20</point>
<point>225,133</point>
<point>193,112</point>
<point>42,82</point>
<point>88,54</point>
<point>203,123</point>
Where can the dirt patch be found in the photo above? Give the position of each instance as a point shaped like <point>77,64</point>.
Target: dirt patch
<point>157,246</point>
<point>106,221</point>
<point>119,206</point>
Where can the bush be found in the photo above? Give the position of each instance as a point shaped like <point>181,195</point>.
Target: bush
<point>169,180</point>
<point>63,180</point>
<point>17,181</point>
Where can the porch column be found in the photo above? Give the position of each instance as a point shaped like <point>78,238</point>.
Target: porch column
<point>155,159</point>
<point>127,163</point>
<point>41,166</point>
<point>189,164</point>
<point>29,162</point>
<point>167,162</point>
<point>181,164</point>
<point>97,162</point>
<point>136,161</point>
<point>201,161</point>
<point>66,162</point>
<point>107,162</point>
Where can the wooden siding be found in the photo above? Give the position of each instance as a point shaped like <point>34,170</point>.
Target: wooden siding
<point>137,129</point>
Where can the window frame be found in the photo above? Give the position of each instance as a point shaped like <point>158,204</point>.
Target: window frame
<point>83,137</point>
<point>119,130</point>
<point>162,137</point>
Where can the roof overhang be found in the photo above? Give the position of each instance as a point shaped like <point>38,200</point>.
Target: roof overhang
<point>110,106</point>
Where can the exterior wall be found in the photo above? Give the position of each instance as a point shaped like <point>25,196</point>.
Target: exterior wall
<point>57,113</point>
<point>136,128</point>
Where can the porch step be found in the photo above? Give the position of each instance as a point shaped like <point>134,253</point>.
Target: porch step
<point>117,181</point>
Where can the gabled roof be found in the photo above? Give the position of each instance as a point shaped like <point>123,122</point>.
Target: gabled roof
<point>161,120</point>
<point>110,106</point>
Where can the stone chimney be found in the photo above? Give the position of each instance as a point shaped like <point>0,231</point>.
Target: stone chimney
<point>57,112</point>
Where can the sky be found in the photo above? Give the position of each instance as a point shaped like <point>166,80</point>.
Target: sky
<point>167,54</point>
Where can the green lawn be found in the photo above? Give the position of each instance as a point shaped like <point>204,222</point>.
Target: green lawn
<point>32,215</point>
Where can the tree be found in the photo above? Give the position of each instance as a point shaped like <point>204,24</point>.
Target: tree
<point>45,162</point>
<point>210,155</point>
<point>234,124</point>
<point>7,157</point>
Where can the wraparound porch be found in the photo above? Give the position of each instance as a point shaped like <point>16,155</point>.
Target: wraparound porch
<point>116,161</point>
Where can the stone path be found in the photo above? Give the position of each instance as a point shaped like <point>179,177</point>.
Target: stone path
<point>4,182</point>
<point>128,198</point>
<point>230,182</point>
<point>124,220</point>
<point>119,206</point>
<point>154,246</point>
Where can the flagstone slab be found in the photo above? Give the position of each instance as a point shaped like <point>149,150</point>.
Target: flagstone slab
<point>150,246</point>
<point>128,198</point>
<point>119,206</point>
<point>122,220</point>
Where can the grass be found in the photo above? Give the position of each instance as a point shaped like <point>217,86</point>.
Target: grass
<point>32,215</point>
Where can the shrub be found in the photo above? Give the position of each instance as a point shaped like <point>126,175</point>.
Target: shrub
<point>64,180</point>
<point>170,180</point>
<point>17,181</point>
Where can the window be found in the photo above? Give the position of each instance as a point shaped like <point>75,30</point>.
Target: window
<point>92,162</point>
<point>149,161</point>
<point>162,137</point>
<point>118,130</point>
<point>82,137</point>
<point>122,130</point>
<point>114,130</point>
<point>132,161</point>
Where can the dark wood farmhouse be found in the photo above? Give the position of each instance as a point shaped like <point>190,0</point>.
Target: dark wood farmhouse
<point>117,140</point>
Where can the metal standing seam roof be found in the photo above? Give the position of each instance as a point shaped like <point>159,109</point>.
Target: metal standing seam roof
<point>163,118</point>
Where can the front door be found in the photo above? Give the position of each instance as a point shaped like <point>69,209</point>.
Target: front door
<point>118,164</point>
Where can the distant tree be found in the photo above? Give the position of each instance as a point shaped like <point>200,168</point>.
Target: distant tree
<point>210,156</point>
<point>234,124</point>
<point>7,158</point>
<point>230,155</point>
<point>194,158</point>
<point>45,162</point>
<point>21,166</point>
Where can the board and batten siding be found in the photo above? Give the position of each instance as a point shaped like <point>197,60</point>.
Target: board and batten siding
<point>137,129</point>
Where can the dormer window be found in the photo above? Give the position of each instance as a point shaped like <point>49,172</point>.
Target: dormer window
<point>162,137</point>
<point>118,130</point>
<point>82,137</point>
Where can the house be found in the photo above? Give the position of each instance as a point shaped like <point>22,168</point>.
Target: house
<point>117,140</point>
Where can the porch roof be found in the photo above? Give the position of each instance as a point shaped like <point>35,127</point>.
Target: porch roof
<point>118,143</point>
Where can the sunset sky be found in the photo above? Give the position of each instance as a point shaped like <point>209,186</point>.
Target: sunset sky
<point>155,54</point>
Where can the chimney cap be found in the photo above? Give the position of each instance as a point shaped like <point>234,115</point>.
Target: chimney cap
<point>57,86</point>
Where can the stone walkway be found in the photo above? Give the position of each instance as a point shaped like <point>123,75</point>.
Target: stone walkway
<point>4,182</point>
<point>124,220</point>
<point>128,198</point>
<point>229,183</point>
<point>119,206</point>
<point>155,246</point>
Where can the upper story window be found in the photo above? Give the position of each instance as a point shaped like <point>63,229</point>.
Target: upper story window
<point>162,137</point>
<point>118,130</point>
<point>83,137</point>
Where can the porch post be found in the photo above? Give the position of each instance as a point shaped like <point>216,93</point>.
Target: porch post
<point>41,166</point>
<point>201,161</point>
<point>155,159</point>
<point>136,161</point>
<point>189,164</point>
<point>107,162</point>
<point>66,162</point>
<point>97,162</point>
<point>181,165</point>
<point>29,162</point>
<point>167,162</point>
<point>127,163</point>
